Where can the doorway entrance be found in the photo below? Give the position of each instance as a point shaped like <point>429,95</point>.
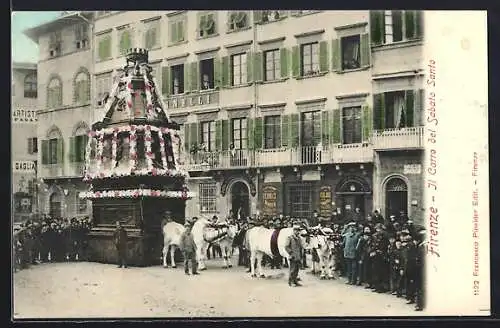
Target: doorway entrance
<point>240,199</point>
<point>55,205</point>
<point>396,197</point>
<point>351,193</point>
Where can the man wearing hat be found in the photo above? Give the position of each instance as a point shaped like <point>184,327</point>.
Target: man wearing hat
<point>120,238</point>
<point>293,246</point>
<point>419,273</point>
<point>188,248</point>
<point>351,238</point>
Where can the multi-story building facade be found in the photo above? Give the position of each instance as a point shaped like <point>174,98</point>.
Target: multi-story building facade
<point>284,111</point>
<point>64,109</point>
<point>24,140</point>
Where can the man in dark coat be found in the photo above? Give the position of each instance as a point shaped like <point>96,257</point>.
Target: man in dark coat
<point>188,247</point>
<point>362,256</point>
<point>120,239</point>
<point>351,237</point>
<point>419,272</point>
<point>378,253</point>
<point>293,246</point>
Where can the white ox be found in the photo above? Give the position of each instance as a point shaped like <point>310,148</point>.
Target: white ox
<point>172,232</point>
<point>258,241</point>
<point>322,243</point>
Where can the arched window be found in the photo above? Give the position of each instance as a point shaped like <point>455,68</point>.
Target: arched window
<point>81,91</point>
<point>396,197</point>
<point>30,87</point>
<point>54,92</point>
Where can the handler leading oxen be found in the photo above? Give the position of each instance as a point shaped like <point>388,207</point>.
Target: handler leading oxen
<point>272,242</point>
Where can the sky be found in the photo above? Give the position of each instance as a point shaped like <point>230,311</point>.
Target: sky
<point>23,49</point>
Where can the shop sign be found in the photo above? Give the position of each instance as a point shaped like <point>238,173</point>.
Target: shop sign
<point>325,201</point>
<point>412,169</point>
<point>270,200</point>
<point>24,116</point>
<point>24,167</point>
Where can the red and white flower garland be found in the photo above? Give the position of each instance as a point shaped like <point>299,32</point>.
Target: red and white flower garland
<point>149,99</point>
<point>128,95</point>
<point>100,150</point>
<point>160,99</point>
<point>174,137</point>
<point>147,143</point>
<point>114,143</point>
<point>133,193</point>
<point>162,148</point>
<point>133,149</point>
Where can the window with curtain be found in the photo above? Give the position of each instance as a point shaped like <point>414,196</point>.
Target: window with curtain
<point>272,65</point>
<point>272,131</point>
<point>311,128</point>
<point>394,109</point>
<point>208,135</point>
<point>239,133</point>
<point>310,58</point>
<point>351,52</point>
<point>351,125</point>
<point>30,86</point>
<point>54,93</point>
<point>82,87</point>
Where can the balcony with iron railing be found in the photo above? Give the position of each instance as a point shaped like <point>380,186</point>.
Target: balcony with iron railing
<point>76,169</point>
<point>397,139</point>
<point>51,170</point>
<point>226,159</point>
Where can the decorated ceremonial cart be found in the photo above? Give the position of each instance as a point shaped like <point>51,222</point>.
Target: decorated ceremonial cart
<point>134,165</point>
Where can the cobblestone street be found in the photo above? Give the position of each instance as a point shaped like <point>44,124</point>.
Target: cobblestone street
<point>71,290</point>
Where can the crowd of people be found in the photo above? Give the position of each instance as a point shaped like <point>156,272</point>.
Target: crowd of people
<point>50,240</point>
<point>382,255</point>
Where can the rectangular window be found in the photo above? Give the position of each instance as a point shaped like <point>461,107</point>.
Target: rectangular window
<point>310,59</point>
<point>351,53</point>
<point>32,145</point>
<point>394,109</point>
<point>207,24</point>
<point>103,87</point>
<point>238,20</point>
<point>208,135</point>
<point>104,46</point>
<point>177,79</point>
<point>53,151</point>
<point>151,36</point>
<point>272,65</point>
<point>239,69</point>
<point>239,133</point>
<point>272,132</point>
<point>311,128</point>
<point>272,15</point>
<point>80,146</point>
<point>300,201</point>
<point>351,125</point>
<point>208,197</point>
<point>402,25</point>
<point>55,44</point>
<point>81,36</point>
<point>124,40</point>
<point>207,74</point>
<point>177,25</point>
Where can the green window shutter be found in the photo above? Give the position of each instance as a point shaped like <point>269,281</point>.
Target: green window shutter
<point>258,132</point>
<point>409,108</point>
<point>125,42</point>
<point>72,149</point>
<point>165,80</point>
<point>335,127</point>
<point>365,50</point>
<point>294,130</point>
<point>258,67</point>
<point>173,32</point>
<point>194,136</point>
<point>323,56</point>
<point>230,134</point>
<point>295,61</point>
<point>257,16</point>
<point>325,128</point>
<point>418,24</point>
<point>225,135</point>
<point>378,111</point>
<point>367,123</point>
<point>45,152</point>
<point>83,150</point>
<point>285,130</point>
<point>225,71</point>
<point>336,56</point>
<point>217,72</point>
<point>180,31</point>
<point>410,23</point>
<point>187,77</point>
<point>250,133</point>
<point>377,26</point>
<point>283,63</point>
<point>60,151</point>
<point>195,77</point>
<point>103,49</point>
<point>249,66</point>
<point>218,134</point>
<point>419,107</point>
<point>187,142</point>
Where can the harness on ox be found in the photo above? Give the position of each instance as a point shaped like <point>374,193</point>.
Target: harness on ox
<point>274,243</point>
<point>212,234</point>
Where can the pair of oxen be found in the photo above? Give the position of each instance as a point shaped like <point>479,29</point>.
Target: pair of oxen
<point>258,240</point>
